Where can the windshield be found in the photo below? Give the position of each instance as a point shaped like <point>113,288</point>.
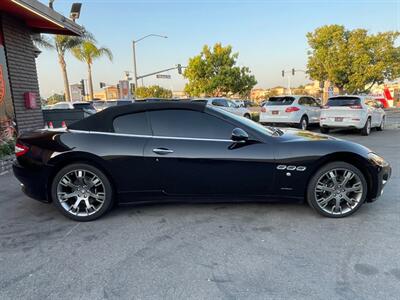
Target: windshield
<point>83,105</point>
<point>250,123</point>
<point>343,101</point>
<point>279,101</point>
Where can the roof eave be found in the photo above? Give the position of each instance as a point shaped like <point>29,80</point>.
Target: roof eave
<point>66,26</point>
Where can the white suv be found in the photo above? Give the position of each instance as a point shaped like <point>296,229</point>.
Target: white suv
<point>228,105</point>
<point>299,111</point>
<point>360,112</point>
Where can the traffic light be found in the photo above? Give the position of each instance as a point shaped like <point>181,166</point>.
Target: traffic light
<point>179,67</point>
<point>82,87</point>
<point>293,71</point>
<point>102,85</point>
<point>283,73</point>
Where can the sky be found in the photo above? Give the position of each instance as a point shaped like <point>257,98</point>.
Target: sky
<point>269,35</point>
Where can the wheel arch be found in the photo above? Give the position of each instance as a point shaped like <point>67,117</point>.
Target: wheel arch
<point>349,157</point>
<point>63,160</point>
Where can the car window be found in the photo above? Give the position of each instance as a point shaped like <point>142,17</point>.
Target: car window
<point>231,104</point>
<point>219,102</point>
<point>189,124</point>
<point>280,100</point>
<point>370,103</point>
<point>378,104</point>
<point>305,101</point>
<point>344,101</point>
<point>314,102</point>
<point>135,123</point>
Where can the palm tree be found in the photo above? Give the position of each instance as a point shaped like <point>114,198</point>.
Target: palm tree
<point>62,44</point>
<point>87,52</point>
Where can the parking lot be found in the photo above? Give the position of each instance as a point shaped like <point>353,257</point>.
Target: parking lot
<point>204,251</point>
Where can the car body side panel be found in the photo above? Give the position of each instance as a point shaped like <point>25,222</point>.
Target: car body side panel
<point>212,167</point>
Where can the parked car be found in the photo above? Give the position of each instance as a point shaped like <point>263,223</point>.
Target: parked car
<point>299,111</point>
<point>359,112</point>
<point>100,105</point>
<point>239,102</point>
<point>86,106</point>
<point>152,151</point>
<point>227,105</point>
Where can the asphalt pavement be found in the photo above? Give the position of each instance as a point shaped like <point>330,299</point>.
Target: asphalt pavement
<point>204,251</point>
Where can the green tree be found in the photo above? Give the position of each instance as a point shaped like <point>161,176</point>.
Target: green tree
<point>87,52</point>
<point>353,60</point>
<point>62,44</point>
<point>154,91</point>
<point>214,73</point>
<point>55,98</point>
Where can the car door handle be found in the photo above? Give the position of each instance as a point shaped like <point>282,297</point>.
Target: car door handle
<point>162,151</point>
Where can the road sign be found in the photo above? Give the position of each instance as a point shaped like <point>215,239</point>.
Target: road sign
<point>163,76</point>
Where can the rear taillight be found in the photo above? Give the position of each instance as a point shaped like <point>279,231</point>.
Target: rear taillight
<point>20,150</point>
<point>292,109</point>
<point>263,109</point>
<point>356,107</point>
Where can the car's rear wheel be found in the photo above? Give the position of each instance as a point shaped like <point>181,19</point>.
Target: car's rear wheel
<point>337,190</point>
<point>303,123</point>
<point>382,126</point>
<point>366,130</point>
<point>81,192</point>
<point>247,116</point>
<point>324,130</point>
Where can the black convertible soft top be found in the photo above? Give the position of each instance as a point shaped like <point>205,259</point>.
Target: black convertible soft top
<point>103,121</point>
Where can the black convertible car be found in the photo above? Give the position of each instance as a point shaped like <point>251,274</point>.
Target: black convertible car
<point>175,151</point>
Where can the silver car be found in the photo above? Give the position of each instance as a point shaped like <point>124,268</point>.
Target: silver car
<point>228,105</point>
<point>299,111</point>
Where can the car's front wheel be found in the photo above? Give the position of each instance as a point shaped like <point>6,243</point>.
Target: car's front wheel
<point>81,192</point>
<point>337,190</point>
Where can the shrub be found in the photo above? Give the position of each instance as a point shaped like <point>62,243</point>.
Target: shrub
<point>7,148</point>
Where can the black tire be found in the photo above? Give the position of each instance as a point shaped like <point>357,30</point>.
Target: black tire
<point>324,129</point>
<point>247,116</point>
<point>366,130</point>
<point>311,198</point>
<point>303,123</point>
<point>108,197</point>
<point>382,126</point>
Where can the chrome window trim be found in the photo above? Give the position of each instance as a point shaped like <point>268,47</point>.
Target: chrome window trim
<point>150,136</point>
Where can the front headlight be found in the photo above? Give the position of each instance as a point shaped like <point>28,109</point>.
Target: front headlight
<point>375,158</point>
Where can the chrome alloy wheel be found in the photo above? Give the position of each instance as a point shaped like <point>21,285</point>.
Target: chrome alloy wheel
<point>338,191</point>
<point>81,193</point>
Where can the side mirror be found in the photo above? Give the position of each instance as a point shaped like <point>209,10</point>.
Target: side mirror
<point>239,135</point>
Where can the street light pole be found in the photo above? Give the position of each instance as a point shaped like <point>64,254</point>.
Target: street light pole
<point>134,53</point>
<point>134,64</point>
